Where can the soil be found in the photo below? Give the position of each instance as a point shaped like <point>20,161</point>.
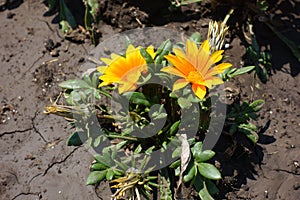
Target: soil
<point>35,161</point>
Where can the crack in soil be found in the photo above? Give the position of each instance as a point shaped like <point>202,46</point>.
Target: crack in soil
<point>27,193</point>
<point>287,171</point>
<point>16,131</point>
<point>34,127</point>
<point>59,162</point>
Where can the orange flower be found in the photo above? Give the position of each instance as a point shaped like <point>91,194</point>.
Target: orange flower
<point>196,66</point>
<point>124,70</point>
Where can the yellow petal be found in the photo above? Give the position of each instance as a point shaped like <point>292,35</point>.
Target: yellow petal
<point>101,69</point>
<point>126,86</point>
<point>221,67</point>
<point>106,60</point>
<point>150,50</point>
<point>180,83</point>
<point>179,52</point>
<point>213,81</point>
<point>199,90</point>
<point>217,56</point>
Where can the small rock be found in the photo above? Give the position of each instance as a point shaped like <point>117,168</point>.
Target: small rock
<point>10,15</point>
<point>184,27</point>
<point>81,60</point>
<point>54,53</point>
<point>296,186</point>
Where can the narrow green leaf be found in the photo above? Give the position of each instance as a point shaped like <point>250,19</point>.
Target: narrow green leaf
<point>146,55</point>
<point>240,71</point>
<point>74,84</point>
<point>174,128</point>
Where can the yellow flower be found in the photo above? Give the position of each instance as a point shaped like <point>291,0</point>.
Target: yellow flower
<point>196,66</point>
<point>124,70</point>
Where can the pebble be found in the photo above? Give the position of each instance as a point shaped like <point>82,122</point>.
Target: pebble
<point>296,186</point>
<point>10,15</point>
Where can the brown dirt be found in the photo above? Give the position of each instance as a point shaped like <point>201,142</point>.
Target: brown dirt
<point>37,164</point>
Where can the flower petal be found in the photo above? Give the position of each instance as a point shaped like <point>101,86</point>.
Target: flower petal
<point>217,56</point>
<point>180,83</point>
<point>173,70</point>
<point>199,90</point>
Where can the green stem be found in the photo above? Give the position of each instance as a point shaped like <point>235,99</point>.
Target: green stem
<point>122,137</point>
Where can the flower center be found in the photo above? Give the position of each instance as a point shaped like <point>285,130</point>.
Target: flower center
<point>195,77</point>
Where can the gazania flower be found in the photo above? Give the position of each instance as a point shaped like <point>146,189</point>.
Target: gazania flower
<point>196,67</point>
<point>124,70</point>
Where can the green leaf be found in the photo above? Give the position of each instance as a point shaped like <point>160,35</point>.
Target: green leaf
<point>209,171</point>
<point>95,177</point>
<point>65,27</point>
<point>94,5</point>
<point>163,50</point>
<point>98,166</point>
<point>109,174</point>
<point>240,71</point>
<point>174,128</point>
<point>74,84</point>
<point>205,156</point>
<point>161,116</point>
<point>196,150</point>
<point>175,164</point>
<point>196,37</point>
<point>184,103</point>
<point>191,173</point>
<point>66,17</point>
<point>204,194</point>
<point>257,105</point>
<point>102,160</point>
<point>97,141</point>
<point>76,139</point>
<point>138,149</point>
<point>252,135</point>
<point>146,55</point>
<point>137,98</point>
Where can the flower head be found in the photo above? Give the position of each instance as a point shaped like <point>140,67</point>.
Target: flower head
<point>196,66</point>
<point>124,70</point>
<point>216,35</point>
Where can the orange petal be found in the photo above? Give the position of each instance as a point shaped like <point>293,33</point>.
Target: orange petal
<point>173,70</point>
<point>183,65</point>
<point>180,83</point>
<point>199,90</point>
